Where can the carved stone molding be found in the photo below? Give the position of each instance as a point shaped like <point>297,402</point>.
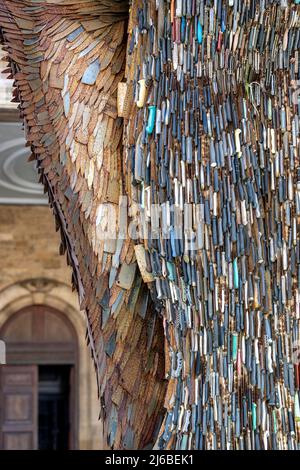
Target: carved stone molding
<point>39,285</point>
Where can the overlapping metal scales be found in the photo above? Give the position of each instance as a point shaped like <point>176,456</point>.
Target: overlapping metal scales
<point>210,108</point>
<point>214,141</point>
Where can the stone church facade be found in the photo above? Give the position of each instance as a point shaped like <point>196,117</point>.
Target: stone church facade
<point>35,283</point>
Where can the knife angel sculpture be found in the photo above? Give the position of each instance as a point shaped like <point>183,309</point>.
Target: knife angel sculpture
<point>166,133</point>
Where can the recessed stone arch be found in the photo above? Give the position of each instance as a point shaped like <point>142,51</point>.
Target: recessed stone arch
<point>59,296</point>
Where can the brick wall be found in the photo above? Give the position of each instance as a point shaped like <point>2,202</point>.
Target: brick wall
<point>29,245</point>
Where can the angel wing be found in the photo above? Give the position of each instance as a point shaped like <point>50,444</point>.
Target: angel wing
<point>211,167</point>
<point>67,59</point>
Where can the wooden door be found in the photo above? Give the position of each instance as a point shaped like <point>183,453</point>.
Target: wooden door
<point>18,412</point>
<point>72,407</point>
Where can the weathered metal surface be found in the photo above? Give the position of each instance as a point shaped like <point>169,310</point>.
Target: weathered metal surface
<point>211,136</point>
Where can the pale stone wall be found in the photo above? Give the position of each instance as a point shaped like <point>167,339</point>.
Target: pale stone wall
<point>32,272</point>
<point>29,245</point>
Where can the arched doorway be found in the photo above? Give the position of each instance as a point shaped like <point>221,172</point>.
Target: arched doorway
<point>38,384</point>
